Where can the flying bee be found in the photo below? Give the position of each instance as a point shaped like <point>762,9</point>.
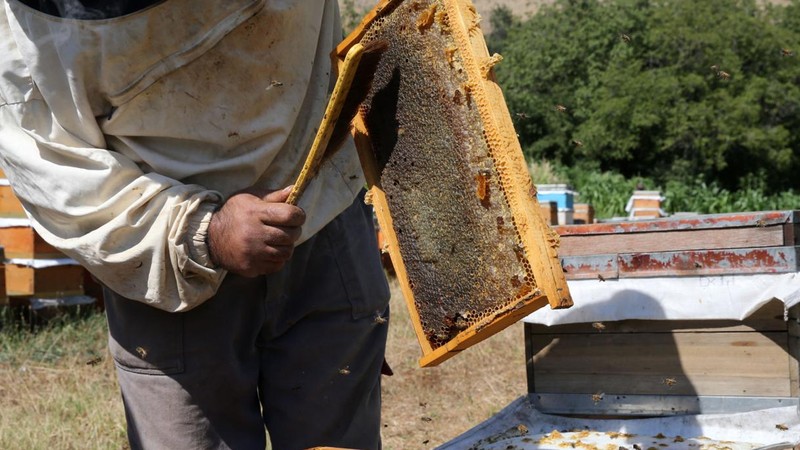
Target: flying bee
<point>576,143</point>
<point>786,52</point>
<point>781,427</point>
<point>94,361</point>
<point>670,381</point>
<point>521,115</point>
<point>597,398</point>
<point>561,108</point>
<point>599,326</point>
<point>724,75</point>
<point>345,370</point>
<point>142,352</point>
<point>625,38</point>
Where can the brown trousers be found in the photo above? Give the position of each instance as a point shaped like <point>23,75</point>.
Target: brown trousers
<point>298,353</point>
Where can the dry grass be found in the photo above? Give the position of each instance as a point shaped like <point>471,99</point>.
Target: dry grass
<point>427,407</point>
<point>59,389</point>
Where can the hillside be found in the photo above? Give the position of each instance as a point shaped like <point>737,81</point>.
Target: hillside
<point>519,7</point>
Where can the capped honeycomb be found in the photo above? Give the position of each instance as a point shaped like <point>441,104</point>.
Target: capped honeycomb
<point>435,160</point>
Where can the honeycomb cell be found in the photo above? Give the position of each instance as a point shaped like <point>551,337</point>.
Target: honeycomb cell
<point>456,232</point>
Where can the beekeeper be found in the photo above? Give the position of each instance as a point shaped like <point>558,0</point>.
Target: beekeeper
<point>152,142</point>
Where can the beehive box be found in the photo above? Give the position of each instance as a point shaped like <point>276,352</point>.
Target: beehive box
<point>32,267</point>
<point>448,180</point>
<point>21,241</point>
<point>10,205</point>
<point>657,367</point>
<point>43,278</point>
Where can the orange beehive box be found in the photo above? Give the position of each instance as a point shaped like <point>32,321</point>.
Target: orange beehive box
<point>21,241</point>
<point>448,180</point>
<point>10,206</point>
<point>43,278</point>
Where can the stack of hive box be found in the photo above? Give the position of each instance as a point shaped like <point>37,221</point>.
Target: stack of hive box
<point>36,274</point>
<point>697,314</point>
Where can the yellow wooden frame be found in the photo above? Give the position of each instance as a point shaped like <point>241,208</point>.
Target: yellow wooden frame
<point>540,242</point>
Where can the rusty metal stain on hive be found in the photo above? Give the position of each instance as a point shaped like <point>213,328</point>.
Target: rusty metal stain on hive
<point>455,229</point>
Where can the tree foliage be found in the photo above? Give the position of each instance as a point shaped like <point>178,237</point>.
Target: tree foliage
<point>669,90</point>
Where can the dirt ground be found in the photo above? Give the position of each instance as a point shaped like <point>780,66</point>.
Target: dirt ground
<point>423,408</point>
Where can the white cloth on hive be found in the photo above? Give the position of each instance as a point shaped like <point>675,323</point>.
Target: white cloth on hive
<point>723,297</point>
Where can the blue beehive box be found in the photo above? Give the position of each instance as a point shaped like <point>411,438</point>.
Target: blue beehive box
<point>561,194</point>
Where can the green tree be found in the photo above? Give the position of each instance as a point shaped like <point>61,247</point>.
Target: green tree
<point>667,90</point>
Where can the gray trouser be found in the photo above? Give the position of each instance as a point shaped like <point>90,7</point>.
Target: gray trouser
<point>298,352</point>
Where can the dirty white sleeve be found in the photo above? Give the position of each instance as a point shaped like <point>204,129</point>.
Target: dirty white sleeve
<point>141,234</point>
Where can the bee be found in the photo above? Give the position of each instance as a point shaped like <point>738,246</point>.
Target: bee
<point>94,361</point>
<point>461,320</point>
<point>714,68</point>
<point>601,277</point>
<point>786,52</point>
<point>345,370</point>
<point>625,38</point>
<point>467,88</point>
<point>723,75</point>
<point>669,381</point>
<point>490,63</point>
<point>275,83</point>
<point>142,352</point>
<point>576,143</point>
<point>561,108</point>
<point>379,319</point>
<point>782,427</point>
<point>450,54</point>
<point>522,428</point>
<point>597,398</point>
<point>599,326</point>
<point>457,97</point>
<point>425,419</point>
<point>521,115</point>
<point>482,181</point>
<point>425,19</point>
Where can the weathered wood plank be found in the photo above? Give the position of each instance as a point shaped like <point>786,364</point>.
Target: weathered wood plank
<point>753,364</point>
<point>793,338</point>
<point>45,281</point>
<point>701,222</point>
<point>709,262</point>
<point>575,245</point>
<point>590,267</point>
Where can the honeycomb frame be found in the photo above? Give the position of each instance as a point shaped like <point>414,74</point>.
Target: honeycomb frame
<point>537,243</point>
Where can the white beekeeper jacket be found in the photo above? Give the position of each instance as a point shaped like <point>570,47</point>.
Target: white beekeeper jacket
<point>120,136</point>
